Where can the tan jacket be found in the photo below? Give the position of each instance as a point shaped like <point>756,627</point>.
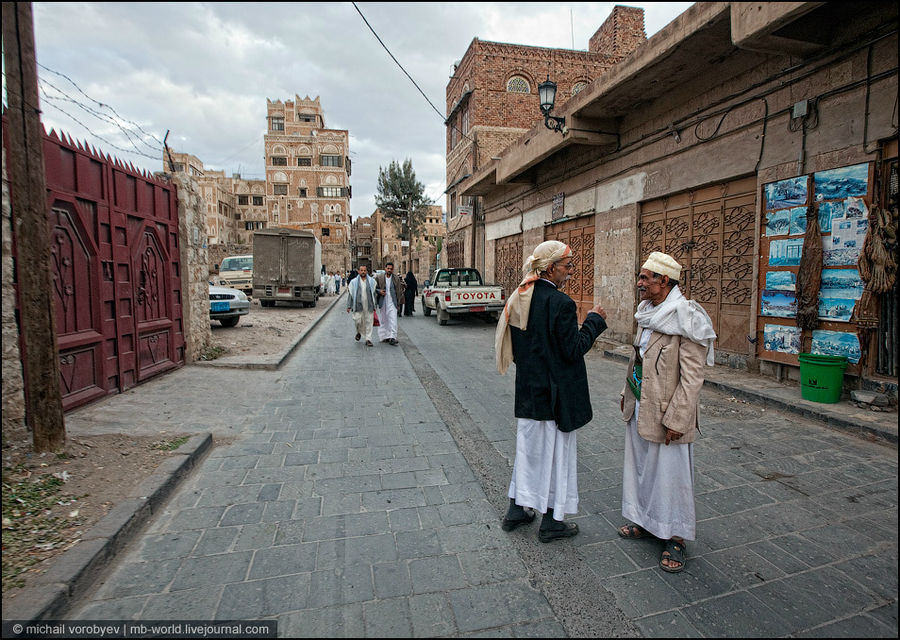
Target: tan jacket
<point>670,391</point>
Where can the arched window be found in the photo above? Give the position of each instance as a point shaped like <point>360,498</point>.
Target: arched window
<point>578,87</point>
<point>517,84</point>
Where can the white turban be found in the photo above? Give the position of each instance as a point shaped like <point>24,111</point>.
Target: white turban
<point>518,305</point>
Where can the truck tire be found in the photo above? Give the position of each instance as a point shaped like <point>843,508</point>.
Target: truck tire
<point>442,316</point>
<point>230,322</point>
<point>267,303</point>
<point>425,308</point>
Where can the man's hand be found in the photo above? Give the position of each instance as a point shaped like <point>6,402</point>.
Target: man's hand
<point>599,311</point>
<point>622,404</point>
<point>672,436</point>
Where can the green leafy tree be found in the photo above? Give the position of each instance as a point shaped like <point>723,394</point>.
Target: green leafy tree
<point>401,198</point>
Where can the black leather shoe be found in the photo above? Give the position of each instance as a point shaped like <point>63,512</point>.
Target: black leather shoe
<point>394,342</point>
<point>358,337</point>
<point>369,343</point>
<point>568,530</point>
<point>510,524</point>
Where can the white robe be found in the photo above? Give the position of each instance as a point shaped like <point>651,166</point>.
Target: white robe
<point>545,472</point>
<point>658,481</point>
<point>387,315</point>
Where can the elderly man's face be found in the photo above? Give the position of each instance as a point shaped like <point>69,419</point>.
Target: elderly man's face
<point>651,287</point>
<point>561,271</point>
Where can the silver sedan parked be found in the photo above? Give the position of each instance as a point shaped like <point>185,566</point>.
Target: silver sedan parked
<point>227,305</point>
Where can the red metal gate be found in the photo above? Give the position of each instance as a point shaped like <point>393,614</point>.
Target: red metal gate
<point>116,272</point>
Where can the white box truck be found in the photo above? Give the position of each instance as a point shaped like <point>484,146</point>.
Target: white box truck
<point>287,265</point>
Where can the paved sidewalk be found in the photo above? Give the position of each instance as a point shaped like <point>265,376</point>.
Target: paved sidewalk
<point>358,492</point>
<point>343,507</point>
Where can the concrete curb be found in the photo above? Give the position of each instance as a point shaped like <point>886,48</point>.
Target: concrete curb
<point>813,411</point>
<point>75,571</point>
<point>274,362</point>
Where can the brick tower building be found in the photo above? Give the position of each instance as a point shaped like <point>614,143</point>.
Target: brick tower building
<point>492,100</point>
<point>308,176</point>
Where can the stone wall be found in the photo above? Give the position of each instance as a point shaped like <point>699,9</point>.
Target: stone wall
<point>13,381</point>
<point>194,266</point>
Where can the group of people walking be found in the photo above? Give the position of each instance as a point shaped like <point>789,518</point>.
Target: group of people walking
<point>385,295</point>
<point>539,332</point>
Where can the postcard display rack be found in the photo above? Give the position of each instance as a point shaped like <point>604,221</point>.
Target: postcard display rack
<point>843,202</point>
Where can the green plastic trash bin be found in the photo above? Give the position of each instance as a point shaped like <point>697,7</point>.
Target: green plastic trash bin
<point>821,377</point>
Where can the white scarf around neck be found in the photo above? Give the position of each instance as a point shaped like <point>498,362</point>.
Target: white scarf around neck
<point>679,316</point>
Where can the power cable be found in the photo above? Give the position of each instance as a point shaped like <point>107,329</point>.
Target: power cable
<point>407,74</point>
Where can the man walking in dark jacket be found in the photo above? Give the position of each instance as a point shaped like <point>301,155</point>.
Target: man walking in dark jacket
<point>539,332</point>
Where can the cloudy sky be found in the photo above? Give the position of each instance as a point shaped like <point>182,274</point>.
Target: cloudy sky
<point>203,71</point>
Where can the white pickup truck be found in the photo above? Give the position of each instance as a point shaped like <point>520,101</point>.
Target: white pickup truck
<point>457,291</point>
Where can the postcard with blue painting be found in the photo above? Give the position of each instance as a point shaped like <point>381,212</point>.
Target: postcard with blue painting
<point>840,283</point>
<point>778,223</point>
<point>836,343</point>
<point>836,309</point>
<point>828,211</point>
<point>843,182</point>
<point>798,221</point>
<point>782,339</point>
<point>785,253</point>
<point>779,304</point>
<point>786,193</point>
<point>781,280</point>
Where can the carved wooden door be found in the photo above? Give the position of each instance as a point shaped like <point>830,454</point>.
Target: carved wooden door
<point>579,235</point>
<point>709,232</point>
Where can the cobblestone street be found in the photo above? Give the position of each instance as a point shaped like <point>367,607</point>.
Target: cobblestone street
<point>362,492</point>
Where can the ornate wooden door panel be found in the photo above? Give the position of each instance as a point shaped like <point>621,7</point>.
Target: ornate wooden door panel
<point>710,233</point>
<point>75,269</point>
<point>579,234</point>
<point>508,260</point>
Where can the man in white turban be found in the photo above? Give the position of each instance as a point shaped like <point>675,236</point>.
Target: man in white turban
<point>539,332</point>
<point>659,403</point>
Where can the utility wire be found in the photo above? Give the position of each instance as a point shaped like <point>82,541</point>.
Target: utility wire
<point>395,60</point>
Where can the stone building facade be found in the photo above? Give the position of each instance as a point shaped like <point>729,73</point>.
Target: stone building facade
<point>308,176</point>
<point>307,186</point>
<point>685,146</point>
<point>382,235</point>
<point>361,243</point>
<point>492,100</point>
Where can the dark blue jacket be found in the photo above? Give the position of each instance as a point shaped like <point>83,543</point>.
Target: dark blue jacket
<point>551,379</point>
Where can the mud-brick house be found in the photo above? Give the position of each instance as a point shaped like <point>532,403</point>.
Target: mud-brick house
<point>710,141</point>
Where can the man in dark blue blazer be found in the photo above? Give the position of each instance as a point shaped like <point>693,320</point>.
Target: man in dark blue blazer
<point>539,332</point>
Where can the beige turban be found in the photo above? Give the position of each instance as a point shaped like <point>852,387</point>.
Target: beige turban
<point>518,305</point>
<point>663,264</point>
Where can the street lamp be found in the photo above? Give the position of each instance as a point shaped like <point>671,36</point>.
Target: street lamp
<point>547,93</point>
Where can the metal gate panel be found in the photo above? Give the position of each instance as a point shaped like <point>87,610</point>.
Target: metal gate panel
<point>508,259</point>
<point>579,235</point>
<point>116,272</point>
<point>709,231</point>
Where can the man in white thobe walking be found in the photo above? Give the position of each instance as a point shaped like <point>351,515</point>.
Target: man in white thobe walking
<point>361,302</point>
<point>390,292</point>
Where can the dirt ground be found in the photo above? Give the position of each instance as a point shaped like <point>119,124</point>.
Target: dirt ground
<point>51,499</point>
